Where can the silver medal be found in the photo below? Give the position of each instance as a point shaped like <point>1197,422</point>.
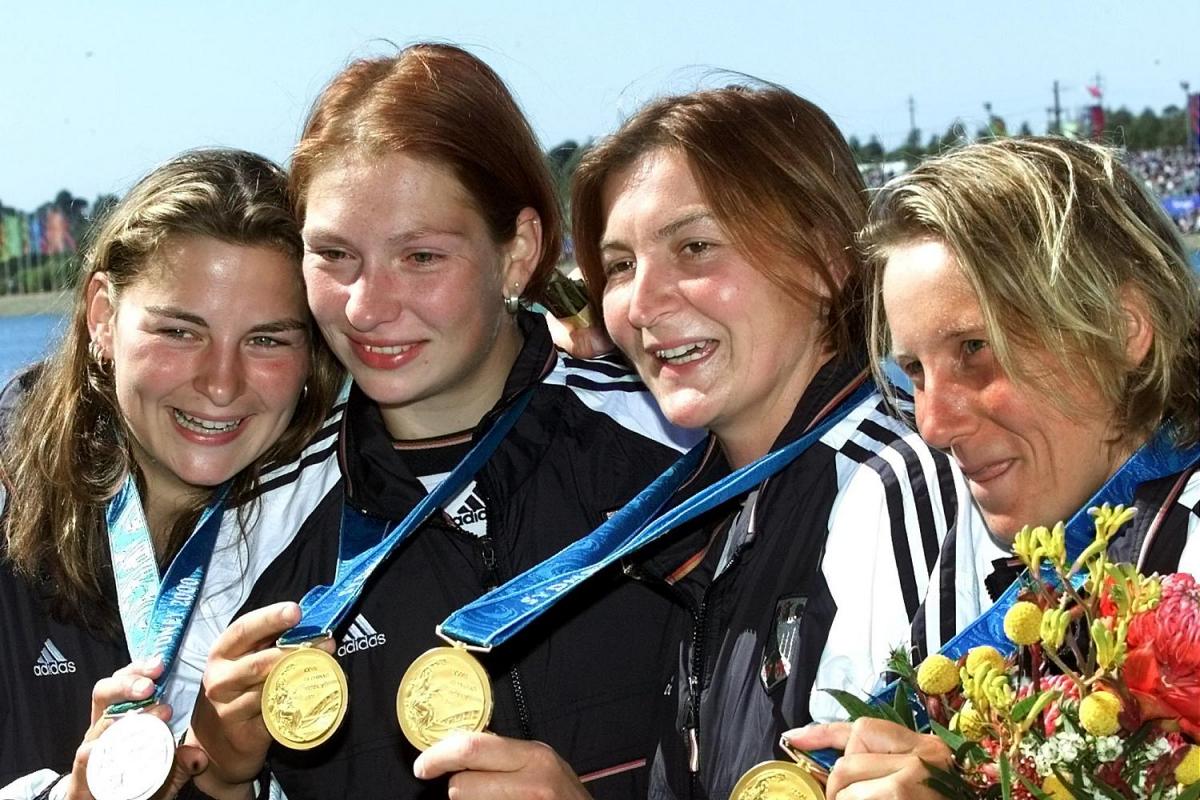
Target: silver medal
<point>132,758</point>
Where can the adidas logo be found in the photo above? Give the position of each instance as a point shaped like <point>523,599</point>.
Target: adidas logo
<point>52,661</point>
<point>470,512</point>
<point>360,636</point>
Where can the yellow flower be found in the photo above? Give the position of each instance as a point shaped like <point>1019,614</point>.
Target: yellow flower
<point>1023,623</point>
<point>1098,713</point>
<point>984,655</point>
<point>1054,627</point>
<point>1025,546</point>
<point>1056,789</point>
<point>969,722</point>
<point>1188,770</point>
<point>1052,544</point>
<point>1108,520</point>
<point>937,675</point>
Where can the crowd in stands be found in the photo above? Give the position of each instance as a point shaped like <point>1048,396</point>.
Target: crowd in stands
<point>1171,172</point>
<point>1167,172</point>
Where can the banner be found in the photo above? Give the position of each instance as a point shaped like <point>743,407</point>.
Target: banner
<point>1096,118</point>
<point>56,234</point>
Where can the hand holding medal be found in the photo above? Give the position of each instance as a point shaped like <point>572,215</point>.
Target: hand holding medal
<point>133,756</point>
<point>254,692</point>
<point>801,778</point>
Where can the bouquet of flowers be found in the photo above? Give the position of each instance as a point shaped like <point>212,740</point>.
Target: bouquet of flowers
<point>1100,699</point>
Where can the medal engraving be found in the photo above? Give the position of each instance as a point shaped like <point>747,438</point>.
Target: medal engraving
<point>777,780</point>
<point>444,690</point>
<point>304,698</point>
<point>132,758</point>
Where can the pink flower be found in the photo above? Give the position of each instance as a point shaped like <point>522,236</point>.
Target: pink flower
<point>1162,668</point>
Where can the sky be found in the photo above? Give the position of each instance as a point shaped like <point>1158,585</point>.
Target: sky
<point>95,94</point>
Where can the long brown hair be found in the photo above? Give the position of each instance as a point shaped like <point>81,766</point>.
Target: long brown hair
<point>778,176</point>
<point>442,103</point>
<point>67,449</point>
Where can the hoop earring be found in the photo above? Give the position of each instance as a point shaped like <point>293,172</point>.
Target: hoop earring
<point>96,353</point>
<point>512,302</point>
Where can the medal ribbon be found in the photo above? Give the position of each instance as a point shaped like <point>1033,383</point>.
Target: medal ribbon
<point>156,613</point>
<point>1156,458</point>
<point>498,615</point>
<point>366,542</point>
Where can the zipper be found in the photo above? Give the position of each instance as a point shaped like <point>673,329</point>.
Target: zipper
<point>697,668</point>
<point>491,579</point>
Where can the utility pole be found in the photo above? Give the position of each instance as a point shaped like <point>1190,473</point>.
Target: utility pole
<point>912,112</point>
<point>1191,142</point>
<point>1056,109</point>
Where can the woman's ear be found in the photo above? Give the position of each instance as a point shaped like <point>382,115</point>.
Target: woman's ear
<point>101,312</point>
<point>523,251</point>
<point>1139,326</point>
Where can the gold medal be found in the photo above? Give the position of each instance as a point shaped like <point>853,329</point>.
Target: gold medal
<point>778,780</point>
<point>304,698</point>
<point>444,690</point>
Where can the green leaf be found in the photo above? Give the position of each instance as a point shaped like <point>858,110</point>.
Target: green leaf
<point>1005,777</point>
<point>953,740</point>
<point>1033,788</point>
<point>1021,709</point>
<point>903,709</point>
<point>857,708</point>
<point>948,782</point>
<point>900,663</point>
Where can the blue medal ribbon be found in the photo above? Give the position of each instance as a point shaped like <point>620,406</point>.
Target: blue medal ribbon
<point>156,613</point>
<point>365,542</point>
<point>501,613</point>
<point>1156,458</point>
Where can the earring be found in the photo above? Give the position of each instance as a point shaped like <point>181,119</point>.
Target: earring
<point>512,302</point>
<point>96,353</point>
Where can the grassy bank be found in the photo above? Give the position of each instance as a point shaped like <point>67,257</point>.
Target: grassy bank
<point>19,305</point>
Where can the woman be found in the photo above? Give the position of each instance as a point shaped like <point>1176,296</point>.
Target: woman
<point>716,230</point>
<point>190,362</point>
<point>1045,310</point>
<point>428,214</point>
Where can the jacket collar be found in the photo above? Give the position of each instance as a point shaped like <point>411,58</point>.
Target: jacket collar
<point>377,480</point>
<point>835,379</point>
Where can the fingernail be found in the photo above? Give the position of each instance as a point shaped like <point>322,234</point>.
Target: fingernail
<point>419,768</point>
<point>142,685</point>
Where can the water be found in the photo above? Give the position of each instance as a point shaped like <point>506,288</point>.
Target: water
<point>24,340</point>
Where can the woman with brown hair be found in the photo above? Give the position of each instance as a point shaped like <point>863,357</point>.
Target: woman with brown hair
<point>428,217</point>
<point>189,368</point>
<point>715,231</point>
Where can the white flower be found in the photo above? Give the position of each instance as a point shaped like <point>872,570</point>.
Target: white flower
<point>1045,759</point>
<point>1158,748</point>
<point>1069,745</point>
<point>1107,748</point>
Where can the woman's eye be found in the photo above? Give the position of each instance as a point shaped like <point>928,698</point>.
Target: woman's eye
<point>266,341</point>
<point>174,333</point>
<point>912,369</point>
<point>973,346</point>
<point>697,248</point>
<point>331,254</point>
<point>424,257</point>
<point>618,266</point>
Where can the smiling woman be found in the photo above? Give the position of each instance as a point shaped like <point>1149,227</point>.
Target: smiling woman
<point>190,365</point>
